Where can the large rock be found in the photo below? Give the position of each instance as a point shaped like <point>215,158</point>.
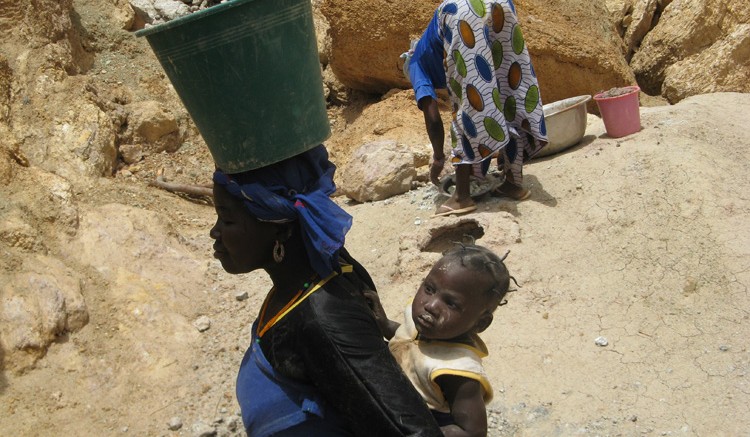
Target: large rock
<point>377,171</point>
<point>154,125</point>
<point>44,56</point>
<point>639,24</point>
<point>367,37</point>
<point>47,200</point>
<point>698,46</point>
<point>395,117</point>
<point>716,69</point>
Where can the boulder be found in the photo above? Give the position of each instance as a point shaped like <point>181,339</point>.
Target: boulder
<point>698,46</point>
<point>377,171</point>
<point>47,202</point>
<point>618,9</point>
<point>150,123</point>
<point>716,69</point>
<point>84,140</point>
<point>367,37</point>
<point>394,117</point>
<point>568,61</point>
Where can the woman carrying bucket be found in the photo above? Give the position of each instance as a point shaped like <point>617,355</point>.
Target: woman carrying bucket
<point>317,364</point>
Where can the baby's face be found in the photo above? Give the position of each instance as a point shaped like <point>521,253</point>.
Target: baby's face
<point>450,301</point>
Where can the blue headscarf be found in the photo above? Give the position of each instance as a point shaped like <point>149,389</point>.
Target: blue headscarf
<point>297,188</point>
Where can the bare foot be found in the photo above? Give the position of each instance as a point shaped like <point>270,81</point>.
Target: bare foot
<point>513,191</point>
<point>453,206</point>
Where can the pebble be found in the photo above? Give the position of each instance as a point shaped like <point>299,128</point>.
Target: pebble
<point>601,341</point>
<point>202,323</point>
<point>174,423</point>
<point>232,424</point>
<point>201,429</point>
<point>240,296</point>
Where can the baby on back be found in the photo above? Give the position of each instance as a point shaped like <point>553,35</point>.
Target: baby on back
<point>438,346</point>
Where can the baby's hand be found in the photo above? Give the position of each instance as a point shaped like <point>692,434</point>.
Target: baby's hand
<point>373,301</point>
<point>387,326</point>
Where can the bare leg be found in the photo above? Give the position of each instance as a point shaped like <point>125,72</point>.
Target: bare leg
<point>508,189</point>
<point>461,197</point>
<point>513,169</point>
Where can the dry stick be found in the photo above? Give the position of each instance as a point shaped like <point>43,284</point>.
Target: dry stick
<point>193,190</point>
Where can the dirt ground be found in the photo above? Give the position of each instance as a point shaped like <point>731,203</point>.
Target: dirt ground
<point>642,240</point>
<point>631,319</point>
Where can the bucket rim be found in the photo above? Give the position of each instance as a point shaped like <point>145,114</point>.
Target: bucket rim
<point>193,16</point>
<point>631,88</point>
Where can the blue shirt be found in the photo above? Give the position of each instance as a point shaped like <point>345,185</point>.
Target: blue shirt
<point>271,403</point>
<point>426,71</point>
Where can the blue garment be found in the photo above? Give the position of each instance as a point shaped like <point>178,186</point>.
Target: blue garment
<point>297,188</point>
<point>272,403</point>
<point>426,70</point>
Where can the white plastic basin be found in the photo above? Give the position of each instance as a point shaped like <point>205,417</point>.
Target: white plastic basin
<point>566,124</point>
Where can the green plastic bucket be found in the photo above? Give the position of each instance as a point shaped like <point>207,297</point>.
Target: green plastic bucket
<point>248,74</point>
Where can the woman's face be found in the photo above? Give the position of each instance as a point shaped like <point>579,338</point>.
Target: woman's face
<point>243,243</point>
<point>451,301</point>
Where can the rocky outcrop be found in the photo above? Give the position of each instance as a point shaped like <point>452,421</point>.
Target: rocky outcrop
<point>574,47</point>
<point>725,66</point>
<point>367,37</point>
<point>34,73</point>
<point>61,116</point>
<point>698,46</point>
<point>633,19</point>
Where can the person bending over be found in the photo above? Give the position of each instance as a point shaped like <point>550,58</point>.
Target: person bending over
<point>476,51</point>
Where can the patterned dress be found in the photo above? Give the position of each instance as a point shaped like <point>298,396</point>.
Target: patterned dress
<point>491,82</point>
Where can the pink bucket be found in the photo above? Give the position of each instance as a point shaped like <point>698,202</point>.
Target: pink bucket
<point>621,114</point>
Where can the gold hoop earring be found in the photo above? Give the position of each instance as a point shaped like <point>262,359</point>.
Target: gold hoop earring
<point>278,252</point>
